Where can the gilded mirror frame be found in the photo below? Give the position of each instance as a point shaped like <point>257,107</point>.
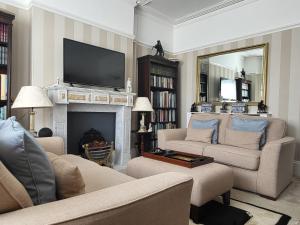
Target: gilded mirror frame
<point>265,48</point>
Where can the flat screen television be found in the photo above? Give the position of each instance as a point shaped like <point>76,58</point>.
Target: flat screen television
<point>228,89</point>
<point>90,65</point>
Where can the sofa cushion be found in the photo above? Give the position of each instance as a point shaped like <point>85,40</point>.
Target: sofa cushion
<point>243,139</point>
<point>69,181</point>
<point>193,147</point>
<point>96,177</point>
<point>198,125</point>
<point>13,195</point>
<point>223,122</point>
<point>253,125</point>
<point>234,156</point>
<point>202,135</point>
<point>276,129</point>
<point>27,161</point>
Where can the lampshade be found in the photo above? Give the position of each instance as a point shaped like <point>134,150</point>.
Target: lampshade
<point>142,104</point>
<point>32,97</point>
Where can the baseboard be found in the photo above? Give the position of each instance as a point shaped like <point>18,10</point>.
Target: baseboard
<point>297,168</point>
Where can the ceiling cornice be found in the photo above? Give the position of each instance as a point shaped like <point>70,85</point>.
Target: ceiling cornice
<point>208,10</point>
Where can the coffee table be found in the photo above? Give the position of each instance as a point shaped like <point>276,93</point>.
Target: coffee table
<point>210,180</point>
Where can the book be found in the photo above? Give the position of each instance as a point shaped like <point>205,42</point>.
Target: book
<point>3,113</point>
<point>3,87</point>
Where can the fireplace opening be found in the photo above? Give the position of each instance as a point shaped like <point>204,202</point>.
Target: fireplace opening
<point>79,123</point>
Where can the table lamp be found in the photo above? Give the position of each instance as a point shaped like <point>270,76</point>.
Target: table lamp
<point>32,97</point>
<point>142,104</point>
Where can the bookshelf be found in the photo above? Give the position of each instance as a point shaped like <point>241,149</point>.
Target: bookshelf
<point>243,90</point>
<point>157,80</point>
<point>204,71</point>
<point>6,20</point>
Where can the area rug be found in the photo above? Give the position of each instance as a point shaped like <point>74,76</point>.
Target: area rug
<point>240,213</point>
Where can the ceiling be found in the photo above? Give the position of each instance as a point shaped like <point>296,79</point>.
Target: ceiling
<point>178,11</point>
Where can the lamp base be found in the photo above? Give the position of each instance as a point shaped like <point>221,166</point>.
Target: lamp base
<point>143,128</point>
<point>32,123</point>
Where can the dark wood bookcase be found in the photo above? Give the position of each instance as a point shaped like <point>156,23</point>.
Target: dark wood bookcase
<point>6,20</point>
<point>243,89</point>
<point>158,80</point>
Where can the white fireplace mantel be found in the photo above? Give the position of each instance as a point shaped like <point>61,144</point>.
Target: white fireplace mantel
<point>73,99</point>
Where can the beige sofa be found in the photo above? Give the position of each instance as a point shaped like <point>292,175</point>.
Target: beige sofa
<point>266,172</point>
<point>111,198</point>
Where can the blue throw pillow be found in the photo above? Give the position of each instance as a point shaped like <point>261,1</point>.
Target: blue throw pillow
<point>208,124</point>
<point>27,161</point>
<point>252,125</point>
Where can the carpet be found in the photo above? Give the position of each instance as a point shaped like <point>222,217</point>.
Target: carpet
<point>240,213</point>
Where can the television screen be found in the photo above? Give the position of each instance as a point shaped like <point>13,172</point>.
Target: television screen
<point>228,89</point>
<point>91,65</point>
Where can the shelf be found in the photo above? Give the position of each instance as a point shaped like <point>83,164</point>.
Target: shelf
<point>162,89</point>
<point>3,44</point>
<point>164,122</point>
<point>161,75</point>
<point>3,103</point>
<point>167,108</point>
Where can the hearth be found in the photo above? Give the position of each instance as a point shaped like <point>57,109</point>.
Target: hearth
<point>89,125</point>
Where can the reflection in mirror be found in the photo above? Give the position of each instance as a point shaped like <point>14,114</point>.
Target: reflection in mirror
<point>238,75</point>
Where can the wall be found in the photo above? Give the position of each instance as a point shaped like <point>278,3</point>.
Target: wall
<point>20,54</point>
<point>112,15</point>
<point>149,29</point>
<point>236,22</point>
<point>48,30</point>
<point>283,92</point>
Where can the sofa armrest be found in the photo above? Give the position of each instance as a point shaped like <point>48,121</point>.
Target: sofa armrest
<point>52,144</point>
<point>276,166</point>
<point>170,134</point>
<point>162,199</point>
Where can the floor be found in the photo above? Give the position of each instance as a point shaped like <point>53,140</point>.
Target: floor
<point>288,203</point>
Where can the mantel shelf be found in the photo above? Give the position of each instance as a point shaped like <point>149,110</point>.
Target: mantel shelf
<point>61,94</point>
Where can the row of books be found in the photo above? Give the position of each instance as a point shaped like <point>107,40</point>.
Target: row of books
<point>3,33</point>
<point>3,55</point>
<point>163,99</point>
<point>162,82</point>
<point>163,115</point>
<point>3,113</point>
<point>3,87</point>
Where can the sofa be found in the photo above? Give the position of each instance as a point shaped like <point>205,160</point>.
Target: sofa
<point>111,198</point>
<point>267,171</point>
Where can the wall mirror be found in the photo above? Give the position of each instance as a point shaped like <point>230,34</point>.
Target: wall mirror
<point>238,75</point>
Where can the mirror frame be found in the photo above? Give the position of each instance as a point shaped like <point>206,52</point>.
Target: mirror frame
<point>265,48</point>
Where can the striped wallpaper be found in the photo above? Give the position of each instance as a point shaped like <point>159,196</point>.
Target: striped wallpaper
<point>283,92</point>
<point>48,31</point>
<point>20,54</point>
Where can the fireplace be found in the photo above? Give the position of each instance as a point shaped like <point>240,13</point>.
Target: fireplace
<point>81,122</point>
<point>71,100</point>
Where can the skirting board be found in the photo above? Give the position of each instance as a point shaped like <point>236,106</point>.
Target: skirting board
<point>297,168</point>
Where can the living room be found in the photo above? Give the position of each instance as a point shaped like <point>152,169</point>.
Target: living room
<point>149,112</point>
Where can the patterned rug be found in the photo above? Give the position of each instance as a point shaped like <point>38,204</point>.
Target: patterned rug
<point>267,212</point>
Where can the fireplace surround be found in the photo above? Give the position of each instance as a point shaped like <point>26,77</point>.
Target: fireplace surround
<point>73,99</point>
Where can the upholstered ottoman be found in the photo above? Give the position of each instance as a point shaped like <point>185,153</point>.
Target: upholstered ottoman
<point>210,180</point>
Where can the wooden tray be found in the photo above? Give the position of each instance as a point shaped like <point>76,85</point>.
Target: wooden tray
<point>179,158</point>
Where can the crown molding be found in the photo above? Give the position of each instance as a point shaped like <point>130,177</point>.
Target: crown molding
<point>28,4</point>
<point>154,14</point>
<point>208,10</point>
<point>231,5</point>
<point>22,4</point>
<point>80,19</point>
